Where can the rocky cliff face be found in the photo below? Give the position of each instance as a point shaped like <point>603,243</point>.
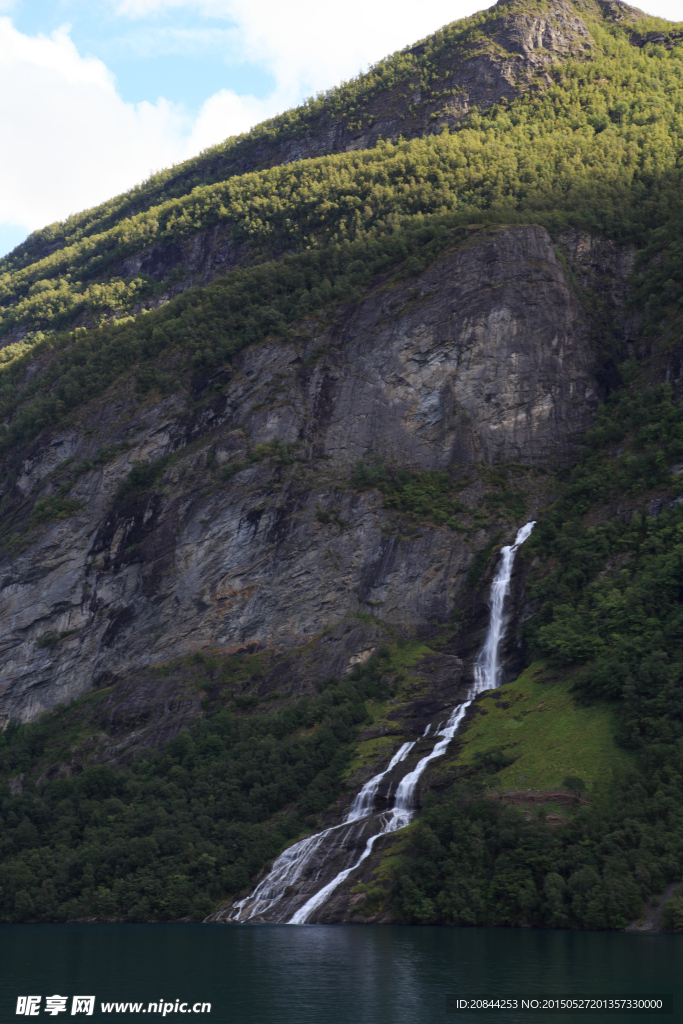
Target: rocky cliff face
<point>250,534</point>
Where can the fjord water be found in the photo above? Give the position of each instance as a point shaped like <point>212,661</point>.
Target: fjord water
<point>321,974</point>
<point>272,898</point>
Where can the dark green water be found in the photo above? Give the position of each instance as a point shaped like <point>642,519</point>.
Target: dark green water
<point>276,974</point>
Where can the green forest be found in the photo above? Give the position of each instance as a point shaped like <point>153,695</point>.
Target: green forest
<point>171,833</point>
<point>168,837</point>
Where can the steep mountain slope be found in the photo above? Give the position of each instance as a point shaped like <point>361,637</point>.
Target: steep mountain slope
<point>134,254</point>
<point>470,64</point>
<point>267,420</point>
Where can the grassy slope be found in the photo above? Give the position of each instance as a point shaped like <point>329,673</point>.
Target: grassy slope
<point>369,753</point>
<point>549,736</point>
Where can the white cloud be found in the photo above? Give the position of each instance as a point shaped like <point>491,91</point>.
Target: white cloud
<point>226,113</point>
<point>669,9</point>
<point>143,8</point>
<point>69,141</point>
<point>155,40</point>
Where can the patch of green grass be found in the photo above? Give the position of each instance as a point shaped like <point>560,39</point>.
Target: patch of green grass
<point>550,737</point>
<point>282,454</point>
<point>52,638</point>
<point>404,654</point>
<point>53,507</point>
<point>332,517</point>
<point>369,751</point>
<point>507,502</point>
<point>422,497</point>
<point>504,500</point>
<point>53,737</point>
<point>392,854</point>
<point>383,877</point>
<point>142,476</point>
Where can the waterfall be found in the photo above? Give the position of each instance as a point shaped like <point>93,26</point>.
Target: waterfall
<point>291,865</point>
<point>365,801</point>
<point>487,669</point>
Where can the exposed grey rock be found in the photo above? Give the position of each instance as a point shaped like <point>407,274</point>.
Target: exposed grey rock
<point>487,355</point>
<point>492,332</point>
<point>650,920</point>
<point>16,785</point>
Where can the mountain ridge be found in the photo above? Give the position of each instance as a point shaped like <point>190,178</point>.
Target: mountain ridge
<point>527,33</point>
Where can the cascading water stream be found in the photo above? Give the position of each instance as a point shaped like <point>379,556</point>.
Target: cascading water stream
<point>293,862</point>
<point>291,865</point>
<point>487,669</point>
<point>365,801</point>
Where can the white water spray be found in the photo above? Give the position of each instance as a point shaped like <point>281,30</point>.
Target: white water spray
<point>487,669</point>
<point>291,865</point>
<point>365,801</point>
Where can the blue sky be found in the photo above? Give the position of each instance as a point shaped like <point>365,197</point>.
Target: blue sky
<point>97,94</point>
<point>182,53</point>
